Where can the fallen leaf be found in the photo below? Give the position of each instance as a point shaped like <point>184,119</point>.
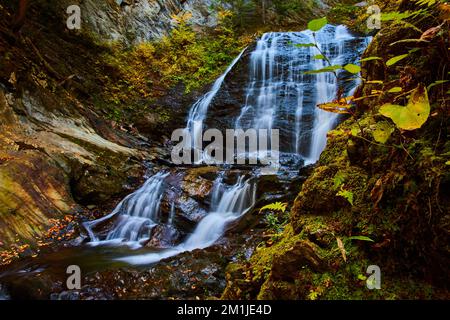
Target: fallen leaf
<point>341,248</point>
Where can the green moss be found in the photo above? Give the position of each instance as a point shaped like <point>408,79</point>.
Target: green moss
<point>262,260</point>
<point>184,56</point>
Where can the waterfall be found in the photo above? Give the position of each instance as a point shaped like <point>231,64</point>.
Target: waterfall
<point>198,111</point>
<point>333,45</point>
<point>136,214</point>
<point>233,203</point>
<point>172,214</point>
<point>278,95</point>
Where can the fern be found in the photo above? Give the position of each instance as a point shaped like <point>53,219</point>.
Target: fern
<point>277,206</point>
<point>348,195</point>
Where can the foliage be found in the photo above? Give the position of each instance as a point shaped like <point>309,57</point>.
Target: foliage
<point>277,206</point>
<point>275,222</point>
<point>339,185</point>
<point>348,195</point>
<point>361,238</point>
<point>340,106</point>
<point>428,3</point>
<point>256,14</point>
<point>317,24</point>
<point>242,11</point>
<point>414,115</point>
<point>352,68</point>
<point>402,202</point>
<point>396,59</point>
<point>382,131</point>
<point>148,69</point>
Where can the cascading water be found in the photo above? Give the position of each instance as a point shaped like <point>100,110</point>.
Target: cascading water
<point>335,48</point>
<point>225,208</point>
<point>233,203</point>
<point>279,95</point>
<point>199,110</point>
<point>136,214</point>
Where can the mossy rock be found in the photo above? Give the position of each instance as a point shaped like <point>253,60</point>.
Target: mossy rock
<point>273,266</point>
<point>319,194</point>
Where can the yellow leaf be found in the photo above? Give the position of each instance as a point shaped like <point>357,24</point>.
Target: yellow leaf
<point>341,106</point>
<point>382,131</point>
<point>414,115</point>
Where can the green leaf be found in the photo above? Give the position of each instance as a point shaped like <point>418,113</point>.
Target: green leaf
<point>396,59</point>
<point>413,50</point>
<point>429,3</point>
<point>370,59</point>
<point>319,57</point>
<point>317,24</point>
<point>326,69</point>
<point>352,68</point>
<point>338,180</point>
<point>362,277</point>
<point>414,115</point>
<point>436,83</point>
<point>362,238</point>
<point>305,45</point>
<point>383,131</point>
<point>395,90</point>
<point>397,16</point>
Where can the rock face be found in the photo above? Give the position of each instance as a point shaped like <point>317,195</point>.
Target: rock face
<point>51,151</point>
<point>33,189</point>
<point>143,20</point>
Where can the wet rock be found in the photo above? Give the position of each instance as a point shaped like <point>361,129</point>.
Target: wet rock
<point>164,236</point>
<point>192,274</point>
<point>190,210</point>
<point>66,295</point>
<point>227,104</point>
<point>198,182</point>
<point>3,293</point>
